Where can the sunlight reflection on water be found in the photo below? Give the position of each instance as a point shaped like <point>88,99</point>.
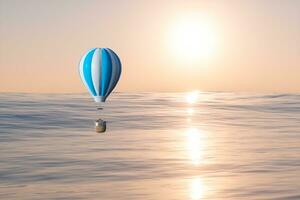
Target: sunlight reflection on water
<point>195,145</point>
<point>197,188</point>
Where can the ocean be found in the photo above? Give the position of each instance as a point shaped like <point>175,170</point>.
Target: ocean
<point>165,146</point>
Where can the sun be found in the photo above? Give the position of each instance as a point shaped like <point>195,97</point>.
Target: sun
<point>192,38</point>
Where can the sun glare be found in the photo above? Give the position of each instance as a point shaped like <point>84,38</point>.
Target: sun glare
<point>192,38</point>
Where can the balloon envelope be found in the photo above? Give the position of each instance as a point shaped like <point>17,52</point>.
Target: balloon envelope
<point>100,70</point>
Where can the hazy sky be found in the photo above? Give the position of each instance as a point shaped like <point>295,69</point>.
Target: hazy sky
<point>246,45</point>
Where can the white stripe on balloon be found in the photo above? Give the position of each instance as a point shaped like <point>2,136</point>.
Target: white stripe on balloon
<point>81,71</point>
<point>96,70</point>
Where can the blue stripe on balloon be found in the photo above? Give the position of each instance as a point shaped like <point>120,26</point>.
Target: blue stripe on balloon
<point>105,72</point>
<point>114,77</point>
<point>119,64</point>
<point>87,71</point>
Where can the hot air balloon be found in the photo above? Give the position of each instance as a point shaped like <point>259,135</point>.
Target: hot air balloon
<point>100,70</point>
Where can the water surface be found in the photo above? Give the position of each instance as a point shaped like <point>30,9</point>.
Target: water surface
<point>157,146</point>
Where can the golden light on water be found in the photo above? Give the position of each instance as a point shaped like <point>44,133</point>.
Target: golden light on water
<point>194,145</point>
<point>190,111</point>
<point>192,97</point>
<point>197,189</point>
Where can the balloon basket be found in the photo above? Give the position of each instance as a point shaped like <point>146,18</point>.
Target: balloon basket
<point>100,126</point>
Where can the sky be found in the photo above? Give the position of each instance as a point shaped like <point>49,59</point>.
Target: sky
<point>164,46</point>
